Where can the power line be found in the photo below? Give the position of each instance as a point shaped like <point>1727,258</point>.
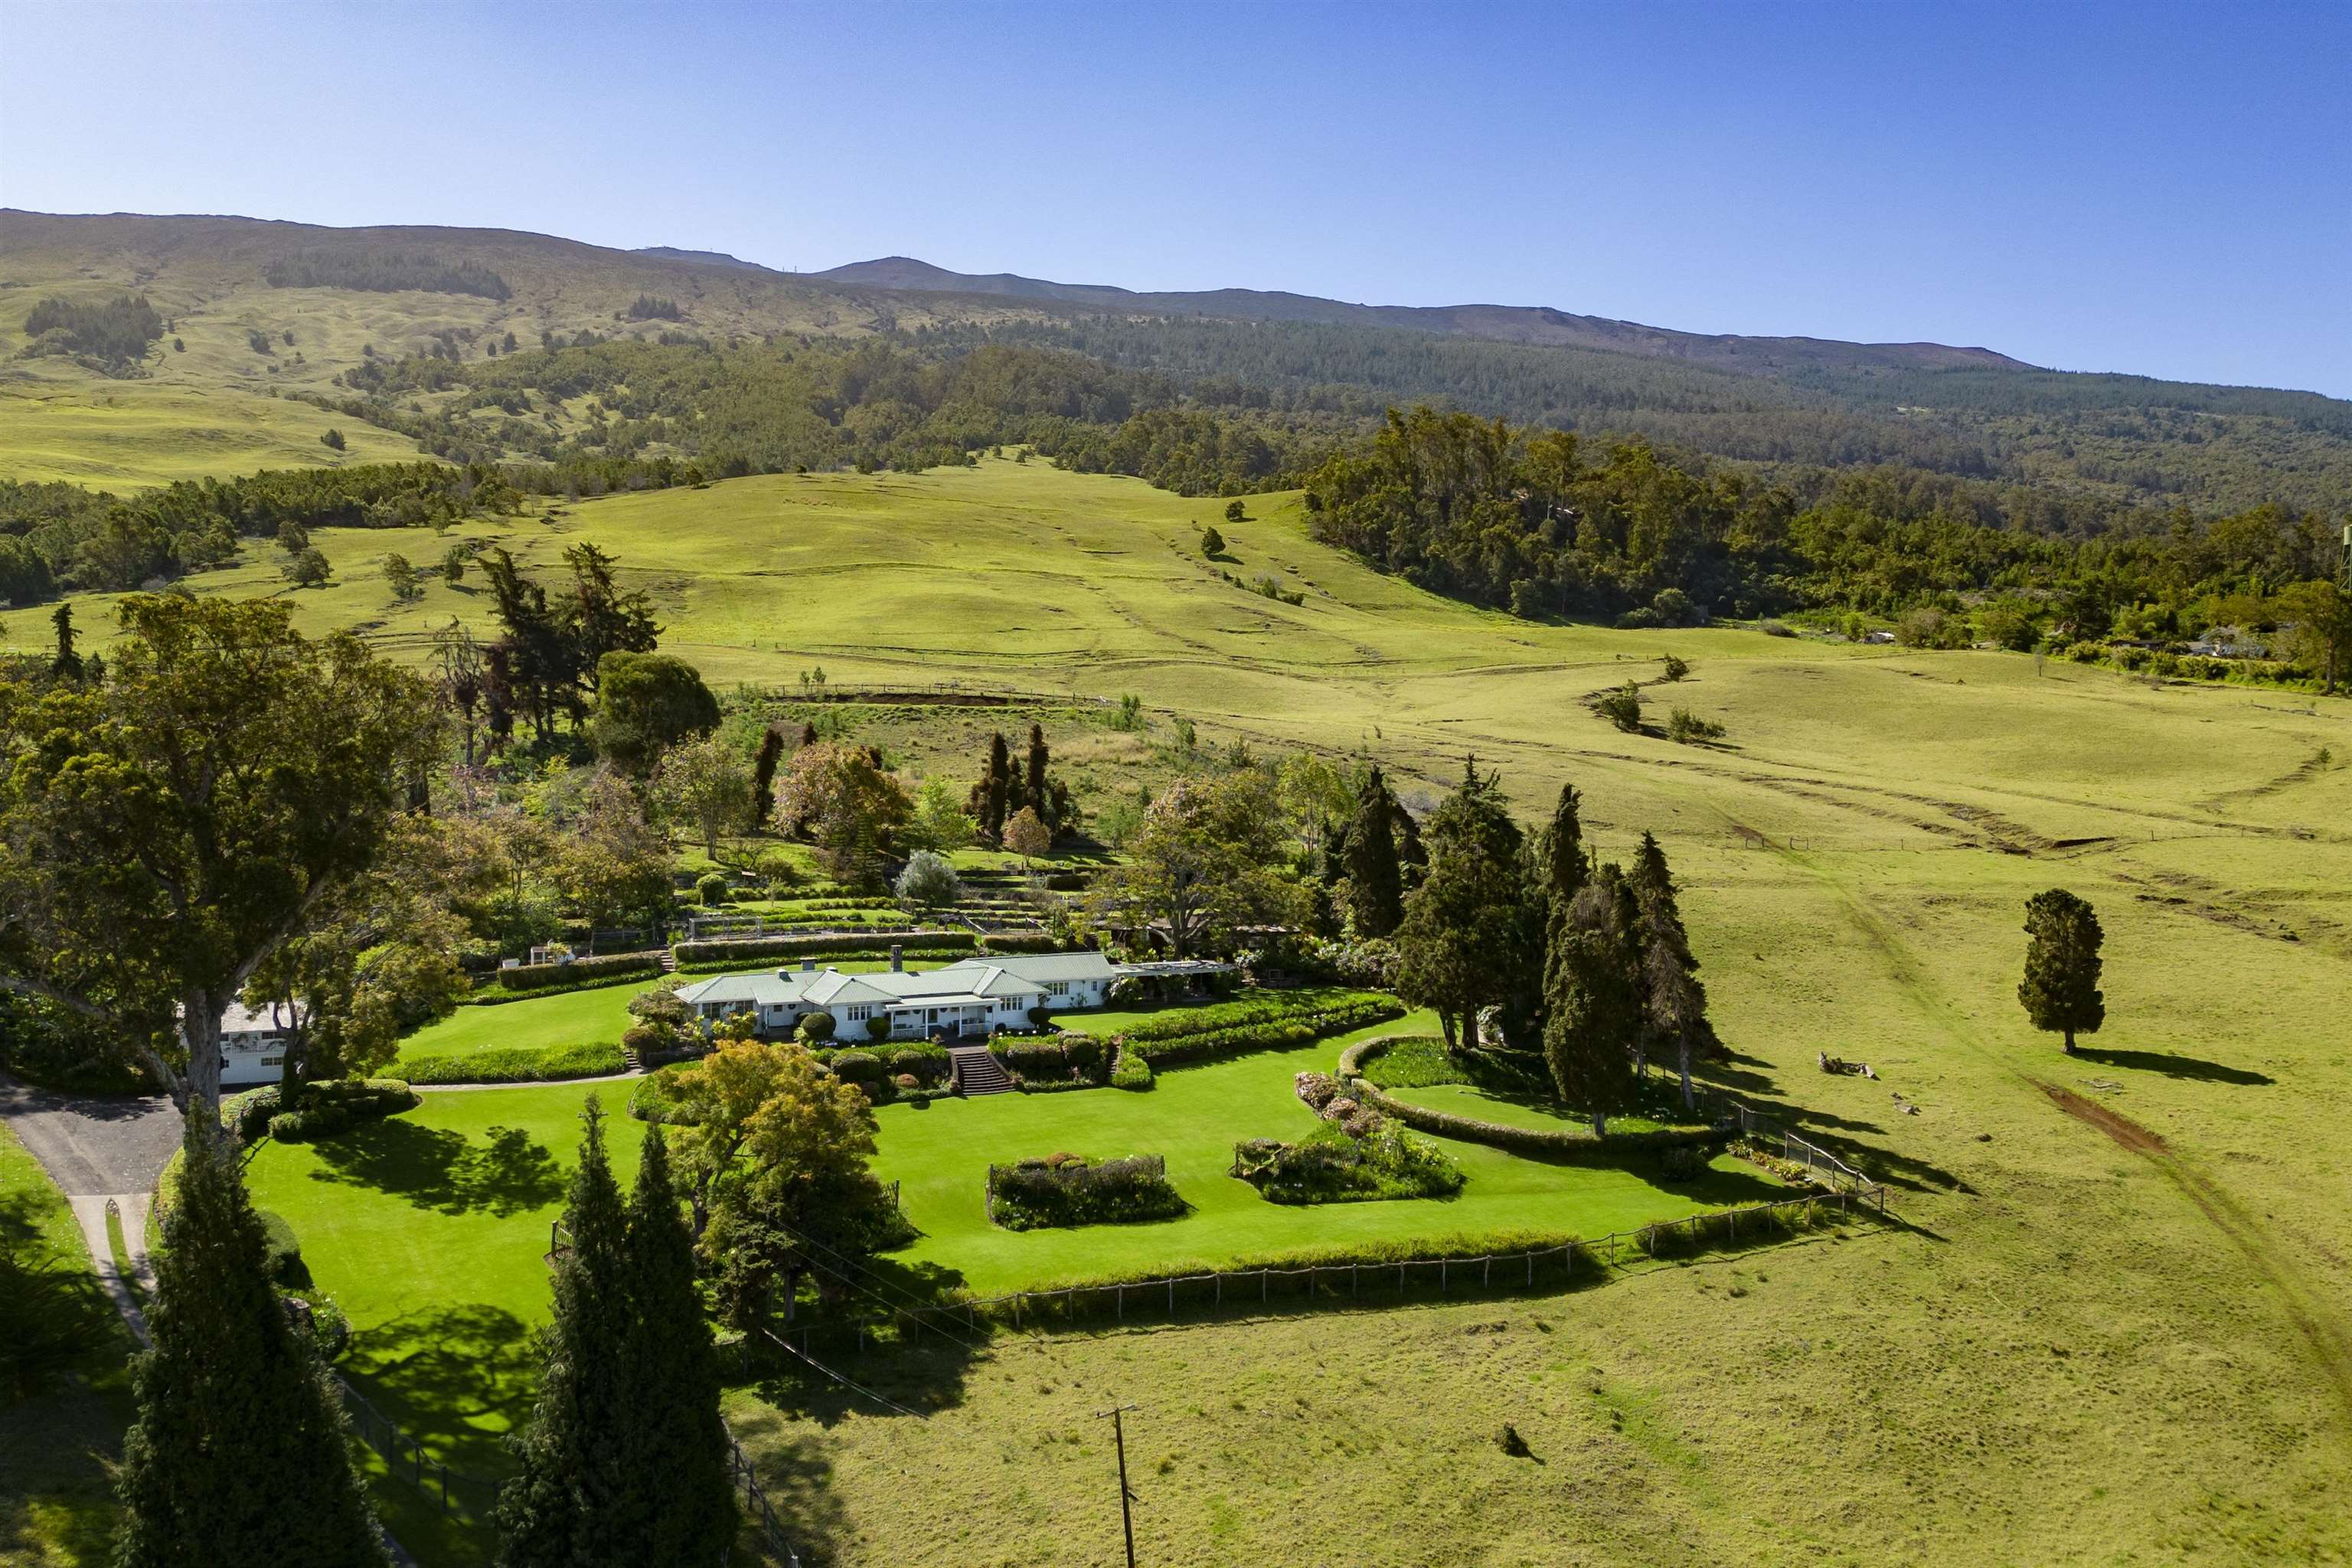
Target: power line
<point>846,1383</point>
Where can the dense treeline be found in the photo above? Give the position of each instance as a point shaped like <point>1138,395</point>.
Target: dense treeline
<point>1527,520</point>
<point>383,272</point>
<point>113,332</point>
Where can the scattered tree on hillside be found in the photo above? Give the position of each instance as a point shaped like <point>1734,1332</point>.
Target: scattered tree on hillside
<point>703,783</point>
<point>402,578</point>
<point>763,776</point>
<point>1204,864</point>
<point>1027,836</point>
<point>239,1452</point>
<point>1212,543</point>
<point>940,824</point>
<point>333,440</point>
<point>646,703</point>
<point>841,800</point>
<point>307,568</point>
<point>147,864</point>
<point>1622,708</point>
<point>2061,989</point>
<point>1236,512</point>
<point>1375,886</point>
<point>66,664</point>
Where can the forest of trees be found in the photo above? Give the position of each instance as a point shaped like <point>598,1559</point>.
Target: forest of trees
<point>112,333</point>
<point>383,272</point>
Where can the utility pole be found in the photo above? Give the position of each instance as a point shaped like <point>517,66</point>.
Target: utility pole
<point>1125,1495</point>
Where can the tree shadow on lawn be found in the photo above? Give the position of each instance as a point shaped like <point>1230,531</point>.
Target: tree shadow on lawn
<point>434,1168</point>
<point>797,1478</point>
<point>2191,1067</point>
<point>441,1371</point>
<point>1833,1133</point>
<point>921,1371</point>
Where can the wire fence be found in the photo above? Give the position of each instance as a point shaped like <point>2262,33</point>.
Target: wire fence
<point>462,1496</point>
<point>1818,1163</point>
<point>1559,1266</point>
<point>756,1506</point>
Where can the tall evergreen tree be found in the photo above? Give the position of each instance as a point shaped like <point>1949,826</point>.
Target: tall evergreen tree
<point>1593,1001</point>
<point>1375,886</point>
<point>993,795</point>
<point>1674,1008</point>
<point>67,664</point>
<point>1038,794</point>
<point>1462,945</point>
<point>763,776</point>
<point>678,1461</point>
<point>1564,868</point>
<point>238,1453</point>
<point>572,1498</point>
<point>2061,988</point>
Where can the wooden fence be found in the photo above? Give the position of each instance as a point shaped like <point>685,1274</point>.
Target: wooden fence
<point>469,1498</point>
<point>755,1503</point>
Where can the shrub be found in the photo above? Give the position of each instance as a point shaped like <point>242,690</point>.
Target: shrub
<point>1129,1070</point>
<point>1024,942</point>
<point>1622,708</point>
<point>1332,1165</point>
<point>815,1026</point>
<point>1413,1061</point>
<point>1257,1030</point>
<point>282,1254</point>
<point>1039,1015</point>
<point>515,1064</point>
<point>1035,1055</point>
<point>328,1107</point>
<point>1316,1088</point>
<point>858,1067</point>
<point>712,888</point>
<point>1677,667</point>
<point>1690,729</point>
<point>1931,628</point>
<point>651,1100</point>
<point>877,1027</point>
<point>1776,629</point>
<point>1068,1189</point>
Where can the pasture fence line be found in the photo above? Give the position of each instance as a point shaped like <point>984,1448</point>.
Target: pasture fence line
<point>746,1481</point>
<point>459,1495</point>
<point>1818,1163</point>
<point>1562,1263</point>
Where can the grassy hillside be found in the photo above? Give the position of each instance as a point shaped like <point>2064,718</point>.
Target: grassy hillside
<point>2115,1329</point>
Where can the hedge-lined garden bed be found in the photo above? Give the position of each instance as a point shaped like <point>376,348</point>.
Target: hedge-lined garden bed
<point>1070,1190</point>
<point>1571,1141</point>
<point>837,944</point>
<point>326,1108</point>
<point>515,1064</point>
<point>1230,1029</point>
<point>545,977</point>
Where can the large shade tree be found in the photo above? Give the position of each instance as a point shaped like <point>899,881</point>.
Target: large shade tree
<point>1205,864</point>
<point>164,833</point>
<point>2061,989</point>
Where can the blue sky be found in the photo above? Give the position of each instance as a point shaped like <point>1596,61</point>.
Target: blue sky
<point>2150,188</point>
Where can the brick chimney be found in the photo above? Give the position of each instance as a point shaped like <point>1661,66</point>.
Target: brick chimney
<point>898,957</point>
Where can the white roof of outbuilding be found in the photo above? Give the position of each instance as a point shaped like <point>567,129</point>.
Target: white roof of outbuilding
<point>971,980</point>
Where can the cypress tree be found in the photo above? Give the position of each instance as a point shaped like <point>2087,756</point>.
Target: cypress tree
<point>763,776</point>
<point>239,1452</point>
<point>1564,870</point>
<point>1040,795</point>
<point>67,664</point>
<point>993,798</point>
<point>2061,988</point>
<point>1673,1007</point>
<point>1592,999</point>
<point>1375,886</point>
<point>677,1457</point>
<point>808,734</point>
<point>572,1498</point>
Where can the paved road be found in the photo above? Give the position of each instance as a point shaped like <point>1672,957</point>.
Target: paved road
<point>93,1147</point>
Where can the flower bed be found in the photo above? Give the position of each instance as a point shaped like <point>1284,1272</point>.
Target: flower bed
<point>514,1064</point>
<point>1070,1189</point>
<point>1334,1165</point>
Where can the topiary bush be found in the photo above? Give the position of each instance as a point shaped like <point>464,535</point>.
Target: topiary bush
<point>877,1027</point>
<point>1129,1070</point>
<point>711,889</point>
<point>858,1067</point>
<point>815,1026</point>
<point>326,1108</point>
<point>281,1253</point>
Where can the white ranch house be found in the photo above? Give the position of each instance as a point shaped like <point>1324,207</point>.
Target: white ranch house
<point>253,1046</point>
<point>972,998</point>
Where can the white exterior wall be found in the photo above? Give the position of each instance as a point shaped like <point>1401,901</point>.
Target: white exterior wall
<point>249,1059</point>
<point>1076,994</point>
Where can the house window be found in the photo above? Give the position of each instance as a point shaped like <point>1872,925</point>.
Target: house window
<point>273,1061</point>
<point>1057,987</point>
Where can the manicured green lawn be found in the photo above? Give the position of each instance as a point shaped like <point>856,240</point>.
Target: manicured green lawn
<point>1193,1116</point>
<point>1104,1022</point>
<point>591,1016</point>
<point>1513,1110</point>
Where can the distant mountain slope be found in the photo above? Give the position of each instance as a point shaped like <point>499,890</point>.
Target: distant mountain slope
<point>1539,325</point>
<point>712,257</point>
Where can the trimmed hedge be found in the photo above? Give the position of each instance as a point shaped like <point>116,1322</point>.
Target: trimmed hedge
<point>1024,942</point>
<point>1129,1070</point>
<point>1067,1190</point>
<point>1574,1142</point>
<point>329,1107</point>
<point>515,1064</point>
<point>912,955</point>
<point>579,971</point>
<point>1276,1033</point>
<point>1265,1007</point>
<point>850,943</point>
